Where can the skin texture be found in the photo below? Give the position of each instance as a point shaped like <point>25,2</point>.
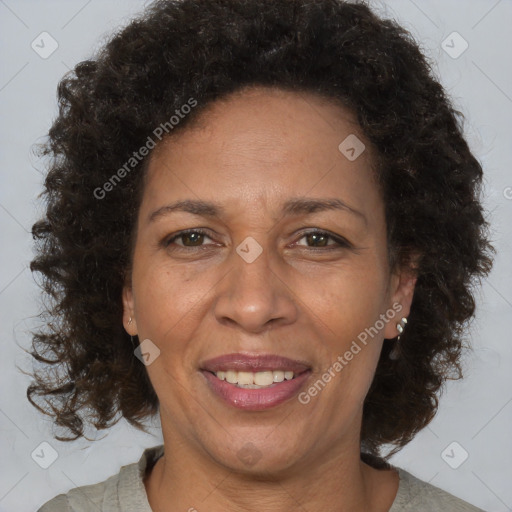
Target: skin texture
<point>251,152</point>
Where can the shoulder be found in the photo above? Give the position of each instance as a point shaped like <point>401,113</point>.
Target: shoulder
<point>122,491</point>
<point>87,497</point>
<point>419,496</point>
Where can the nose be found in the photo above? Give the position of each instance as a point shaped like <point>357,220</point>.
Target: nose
<point>254,296</point>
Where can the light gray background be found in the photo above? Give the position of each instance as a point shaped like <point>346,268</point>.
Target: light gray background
<point>475,412</point>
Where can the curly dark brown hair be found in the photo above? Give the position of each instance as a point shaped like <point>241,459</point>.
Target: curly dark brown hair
<point>205,49</point>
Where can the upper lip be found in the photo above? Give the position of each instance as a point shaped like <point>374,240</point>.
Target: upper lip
<point>254,363</point>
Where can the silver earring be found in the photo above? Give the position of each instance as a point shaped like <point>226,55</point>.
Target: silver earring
<point>400,327</point>
<point>395,353</point>
<point>129,320</point>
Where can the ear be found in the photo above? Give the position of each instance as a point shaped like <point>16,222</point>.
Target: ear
<point>402,285</point>
<point>129,310</point>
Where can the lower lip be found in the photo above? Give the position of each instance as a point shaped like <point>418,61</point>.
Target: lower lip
<point>256,399</point>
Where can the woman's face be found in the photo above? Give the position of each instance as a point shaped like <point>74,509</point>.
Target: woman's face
<point>303,282</point>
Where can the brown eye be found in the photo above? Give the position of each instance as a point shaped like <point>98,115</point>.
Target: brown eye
<point>193,238</point>
<point>190,238</point>
<point>319,239</point>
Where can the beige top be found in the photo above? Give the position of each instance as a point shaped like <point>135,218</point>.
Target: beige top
<point>125,492</point>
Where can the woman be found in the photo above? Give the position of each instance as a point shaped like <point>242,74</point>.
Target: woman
<point>274,203</point>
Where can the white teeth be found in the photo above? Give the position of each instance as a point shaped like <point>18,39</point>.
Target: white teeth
<point>278,376</point>
<point>254,380</point>
<point>232,376</point>
<point>262,378</point>
<point>245,378</point>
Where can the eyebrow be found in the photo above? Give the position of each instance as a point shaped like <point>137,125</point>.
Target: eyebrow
<point>298,206</point>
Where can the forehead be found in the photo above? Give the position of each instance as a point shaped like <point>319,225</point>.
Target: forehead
<point>260,145</point>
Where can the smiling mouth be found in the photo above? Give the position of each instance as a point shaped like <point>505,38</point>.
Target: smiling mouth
<point>254,380</point>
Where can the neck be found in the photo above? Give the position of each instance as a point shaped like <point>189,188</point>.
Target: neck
<point>337,480</point>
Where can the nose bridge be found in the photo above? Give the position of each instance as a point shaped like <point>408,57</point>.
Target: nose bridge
<point>253,295</point>
<point>253,269</point>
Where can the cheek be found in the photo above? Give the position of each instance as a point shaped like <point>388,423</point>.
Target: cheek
<point>347,307</point>
<point>348,299</point>
<point>168,299</point>
<point>170,303</point>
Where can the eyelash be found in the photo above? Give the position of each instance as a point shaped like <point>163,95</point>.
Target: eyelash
<point>340,242</point>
